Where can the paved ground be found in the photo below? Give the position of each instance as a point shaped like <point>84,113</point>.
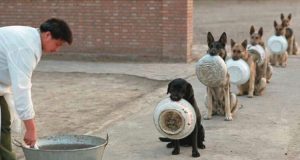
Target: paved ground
<point>119,98</point>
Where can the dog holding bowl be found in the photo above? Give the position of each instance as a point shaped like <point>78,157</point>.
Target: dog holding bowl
<point>178,118</point>
<point>292,48</point>
<point>257,49</point>
<point>212,72</point>
<point>242,68</point>
<point>277,45</point>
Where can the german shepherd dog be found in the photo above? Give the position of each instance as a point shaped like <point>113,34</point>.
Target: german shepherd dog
<point>253,86</point>
<point>281,59</point>
<point>219,100</point>
<point>289,34</point>
<point>265,69</point>
<point>178,89</point>
<point>239,51</point>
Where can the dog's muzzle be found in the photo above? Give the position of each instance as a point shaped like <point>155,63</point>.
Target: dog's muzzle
<point>175,98</point>
<point>213,52</point>
<point>235,58</point>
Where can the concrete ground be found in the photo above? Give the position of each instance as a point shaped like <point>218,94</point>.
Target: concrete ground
<point>119,98</point>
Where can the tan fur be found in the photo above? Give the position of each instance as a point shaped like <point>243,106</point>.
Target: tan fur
<point>256,83</point>
<point>263,70</point>
<point>290,36</point>
<point>220,101</point>
<point>280,59</point>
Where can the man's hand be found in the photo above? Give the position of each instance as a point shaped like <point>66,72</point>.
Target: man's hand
<point>30,134</point>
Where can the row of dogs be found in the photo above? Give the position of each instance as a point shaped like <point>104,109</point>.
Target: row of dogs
<point>220,100</point>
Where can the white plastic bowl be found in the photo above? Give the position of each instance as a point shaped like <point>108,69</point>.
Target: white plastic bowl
<point>238,70</point>
<point>174,119</point>
<point>257,50</point>
<point>211,70</point>
<point>277,44</point>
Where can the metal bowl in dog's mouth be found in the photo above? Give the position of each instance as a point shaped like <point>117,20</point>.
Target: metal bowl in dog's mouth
<point>211,70</point>
<point>174,119</point>
<point>171,121</point>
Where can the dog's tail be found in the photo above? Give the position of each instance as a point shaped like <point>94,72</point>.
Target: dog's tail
<point>163,139</point>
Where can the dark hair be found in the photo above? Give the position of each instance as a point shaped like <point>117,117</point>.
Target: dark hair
<point>58,28</point>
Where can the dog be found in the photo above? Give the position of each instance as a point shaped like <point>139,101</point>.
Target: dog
<point>281,59</point>
<point>289,35</point>
<point>265,70</point>
<point>256,83</point>
<point>219,100</point>
<point>181,89</point>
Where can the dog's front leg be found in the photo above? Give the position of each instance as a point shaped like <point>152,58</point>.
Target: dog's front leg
<point>252,80</point>
<point>290,46</point>
<point>209,104</point>
<point>265,67</point>
<point>295,46</point>
<point>273,60</point>
<point>228,116</point>
<point>176,147</point>
<point>283,59</point>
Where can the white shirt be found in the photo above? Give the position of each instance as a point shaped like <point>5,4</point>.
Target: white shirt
<point>20,51</point>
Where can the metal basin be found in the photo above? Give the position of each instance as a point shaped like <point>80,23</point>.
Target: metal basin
<point>66,147</point>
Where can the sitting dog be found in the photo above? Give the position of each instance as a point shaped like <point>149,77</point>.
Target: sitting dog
<point>289,35</point>
<point>280,59</point>
<point>178,89</point>
<point>256,83</point>
<point>219,100</point>
<point>263,69</point>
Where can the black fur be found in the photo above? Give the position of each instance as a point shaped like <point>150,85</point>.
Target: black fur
<point>178,89</point>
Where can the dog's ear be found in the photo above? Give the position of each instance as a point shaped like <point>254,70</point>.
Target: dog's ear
<point>244,43</point>
<point>281,16</point>
<point>290,16</point>
<point>210,39</point>
<point>232,42</point>
<point>223,39</point>
<point>275,24</point>
<point>189,91</point>
<point>260,31</point>
<point>252,30</point>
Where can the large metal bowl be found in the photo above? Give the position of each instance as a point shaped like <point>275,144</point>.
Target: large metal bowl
<point>258,53</point>
<point>174,119</point>
<point>211,71</point>
<point>66,147</point>
<point>277,44</point>
<point>238,70</point>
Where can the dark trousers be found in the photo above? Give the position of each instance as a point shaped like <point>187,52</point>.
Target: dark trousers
<point>5,146</point>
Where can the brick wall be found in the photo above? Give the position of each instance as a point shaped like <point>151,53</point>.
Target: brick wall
<point>129,29</point>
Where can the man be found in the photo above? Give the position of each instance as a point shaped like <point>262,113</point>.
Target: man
<point>21,48</point>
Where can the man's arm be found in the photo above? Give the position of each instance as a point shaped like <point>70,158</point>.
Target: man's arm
<point>30,134</point>
<point>21,64</point>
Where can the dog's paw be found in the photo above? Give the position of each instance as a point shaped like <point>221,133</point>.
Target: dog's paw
<point>170,145</point>
<point>175,152</point>
<point>239,94</point>
<point>207,117</point>
<point>228,118</point>
<point>201,146</point>
<point>283,65</point>
<point>250,96</point>
<point>196,154</point>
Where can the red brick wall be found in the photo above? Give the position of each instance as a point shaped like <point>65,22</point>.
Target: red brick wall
<point>134,29</point>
